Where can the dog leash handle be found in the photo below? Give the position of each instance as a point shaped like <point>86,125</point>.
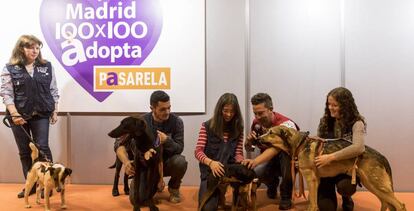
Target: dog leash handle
<point>6,121</point>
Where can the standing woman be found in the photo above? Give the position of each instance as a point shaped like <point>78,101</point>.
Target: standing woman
<point>29,91</point>
<point>341,120</point>
<point>220,142</point>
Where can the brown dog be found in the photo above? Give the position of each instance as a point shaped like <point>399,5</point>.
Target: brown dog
<point>373,169</point>
<point>48,176</point>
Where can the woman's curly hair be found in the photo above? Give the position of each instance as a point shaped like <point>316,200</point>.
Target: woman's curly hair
<point>348,112</point>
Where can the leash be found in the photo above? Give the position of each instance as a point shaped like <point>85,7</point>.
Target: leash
<point>301,192</point>
<point>354,167</point>
<point>6,121</point>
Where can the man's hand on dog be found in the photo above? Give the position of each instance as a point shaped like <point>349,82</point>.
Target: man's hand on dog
<point>129,168</point>
<point>323,160</point>
<point>148,154</point>
<point>217,168</point>
<point>162,136</point>
<point>250,163</point>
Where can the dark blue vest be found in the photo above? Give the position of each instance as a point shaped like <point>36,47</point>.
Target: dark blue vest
<point>32,94</point>
<point>218,150</point>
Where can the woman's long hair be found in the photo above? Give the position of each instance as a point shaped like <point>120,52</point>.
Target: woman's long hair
<point>348,113</point>
<point>217,123</point>
<point>25,41</point>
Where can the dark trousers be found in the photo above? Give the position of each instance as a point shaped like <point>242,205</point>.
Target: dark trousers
<point>175,167</point>
<point>212,203</point>
<point>327,194</point>
<point>38,128</point>
<point>269,173</point>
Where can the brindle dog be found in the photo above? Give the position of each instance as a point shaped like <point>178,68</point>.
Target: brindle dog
<point>373,169</point>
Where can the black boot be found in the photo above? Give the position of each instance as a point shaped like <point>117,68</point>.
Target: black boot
<point>271,191</point>
<point>347,203</point>
<point>285,203</point>
<point>32,191</point>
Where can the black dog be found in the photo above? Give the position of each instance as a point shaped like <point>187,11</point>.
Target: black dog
<point>137,130</point>
<point>237,175</point>
<point>118,166</point>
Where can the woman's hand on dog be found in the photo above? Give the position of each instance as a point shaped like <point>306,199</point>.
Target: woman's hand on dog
<point>217,168</point>
<point>323,160</point>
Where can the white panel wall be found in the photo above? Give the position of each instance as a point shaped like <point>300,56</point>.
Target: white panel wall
<point>225,70</point>
<point>295,55</point>
<point>379,71</point>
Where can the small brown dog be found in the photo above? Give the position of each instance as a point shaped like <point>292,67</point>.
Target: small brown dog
<point>48,176</point>
<point>373,169</point>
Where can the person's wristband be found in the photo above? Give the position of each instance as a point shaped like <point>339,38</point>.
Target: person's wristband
<point>209,163</point>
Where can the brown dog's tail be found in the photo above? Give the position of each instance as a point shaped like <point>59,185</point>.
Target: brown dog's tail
<point>35,151</point>
<point>381,158</point>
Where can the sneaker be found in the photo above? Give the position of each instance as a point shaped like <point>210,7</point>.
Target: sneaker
<point>285,204</point>
<point>347,203</point>
<point>21,194</point>
<point>174,195</point>
<point>271,192</point>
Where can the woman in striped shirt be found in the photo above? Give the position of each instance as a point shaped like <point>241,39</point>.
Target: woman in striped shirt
<point>220,142</point>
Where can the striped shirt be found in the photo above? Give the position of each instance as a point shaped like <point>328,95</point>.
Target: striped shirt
<point>202,141</point>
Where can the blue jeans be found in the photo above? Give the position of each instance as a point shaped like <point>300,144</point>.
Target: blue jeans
<point>38,128</point>
<point>269,173</point>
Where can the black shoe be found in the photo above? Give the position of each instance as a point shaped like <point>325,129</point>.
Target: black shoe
<point>285,204</point>
<point>271,192</point>
<point>347,203</point>
<point>21,194</point>
<point>43,193</point>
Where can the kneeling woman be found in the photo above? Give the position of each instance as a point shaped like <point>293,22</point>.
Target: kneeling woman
<point>220,142</point>
<point>341,120</point>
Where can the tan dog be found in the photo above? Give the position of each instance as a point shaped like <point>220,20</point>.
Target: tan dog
<point>48,176</point>
<point>373,169</point>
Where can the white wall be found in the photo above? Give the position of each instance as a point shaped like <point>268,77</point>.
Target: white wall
<point>91,150</point>
<point>299,52</point>
<point>379,71</point>
<point>295,56</point>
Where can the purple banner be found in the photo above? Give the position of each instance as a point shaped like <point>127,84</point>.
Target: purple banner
<point>82,34</point>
